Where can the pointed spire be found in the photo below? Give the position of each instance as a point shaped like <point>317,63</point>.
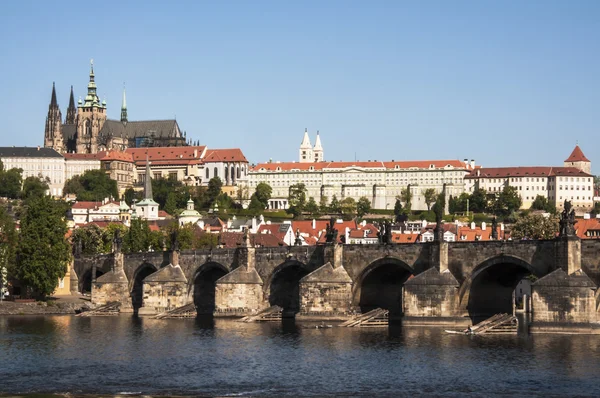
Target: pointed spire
<point>53,101</point>
<point>577,156</point>
<point>318,142</point>
<point>71,110</point>
<point>148,182</point>
<point>305,140</point>
<point>124,107</point>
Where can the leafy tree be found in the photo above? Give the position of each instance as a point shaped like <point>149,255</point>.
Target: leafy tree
<point>255,207</point>
<point>130,195</point>
<point>595,210</point>
<point>478,201</point>
<point>34,187</point>
<point>157,241</point>
<point>508,201</point>
<point>242,193</point>
<point>162,188</point>
<point>430,197</point>
<point>171,204</point>
<point>348,207</point>
<point>137,238</point>
<point>440,206</point>
<point>458,204</point>
<point>312,207</point>
<point>398,210</point>
<point>10,183</point>
<point>363,206</point>
<point>263,193</point>
<point>199,196</point>
<point>541,203</point>
<point>406,198</point>
<point>91,239</point>
<point>297,199</point>
<point>93,185</point>
<point>43,252</point>
<point>8,245</point>
<point>535,226</point>
<point>214,190</point>
<point>205,240</point>
<point>108,235</point>
<point>323,205</point>
<point>334,206</point>
<point>185,235</point>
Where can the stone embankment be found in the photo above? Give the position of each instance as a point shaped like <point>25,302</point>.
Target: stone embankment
<point>50,307</point>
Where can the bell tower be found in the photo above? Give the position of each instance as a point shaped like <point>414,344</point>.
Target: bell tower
<point>91,116</point>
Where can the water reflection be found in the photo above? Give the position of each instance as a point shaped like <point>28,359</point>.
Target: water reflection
<point>204,356</point>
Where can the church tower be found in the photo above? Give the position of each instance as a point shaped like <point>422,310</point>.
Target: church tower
<point>124,109</point>
<point>71,110</point>
<point>91,116</point>
<point>306,149</point>
<point>578,160</point>
<point>318,150</point>
<point>52,134</point>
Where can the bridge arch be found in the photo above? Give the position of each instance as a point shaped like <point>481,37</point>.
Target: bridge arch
<point>380,285</point>
<point>283,285</point>
<point>136,285</point>
<point>202,286</point>
<point>488,290</point>
<point>85,284</point>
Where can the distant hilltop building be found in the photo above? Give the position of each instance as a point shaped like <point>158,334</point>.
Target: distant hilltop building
<point>308,153</point>
<point>86,129</point>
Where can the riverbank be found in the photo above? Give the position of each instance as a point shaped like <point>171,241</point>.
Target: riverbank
<point>54,306</point>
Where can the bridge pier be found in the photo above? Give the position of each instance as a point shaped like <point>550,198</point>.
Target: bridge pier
<point>165,289</point>
<point>113,285</point>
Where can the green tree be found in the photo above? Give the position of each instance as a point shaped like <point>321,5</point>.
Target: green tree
<point>214,190</point>
<point>92,185</point>
<point>130,195</point>
<point>363,207</point>
<point>323,205</point>
<point>255,207</point>
<point>205,240</point>
<point>398,209</point>
<point>91,239</point>
<point>137,238</point>
<point>108,235</point>
<point>348,207</point>
<point>297,199</point>
<point>8,245</point>
<point>43,253</point>
<point>478,201</point>
<point>34,187</point>
<point>508,201</point>
<point>406,198</point>
<point>541,203</point>
<point>171,204</point>
<point>312,207</point>
<point>162,188</point>
<point>440,206</point>
<point>430,197</point>
<point>10,183</point>
<point>185,235</point>
<point>535,226</point>
<point>334,206</point>
<point>263,193</point>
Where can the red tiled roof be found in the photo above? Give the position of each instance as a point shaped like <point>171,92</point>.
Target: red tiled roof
<point>162,213</point>
<point>577,156</point>
<point>86,205</point>
<point>171,153</point>
<point>405,238</point>
<point>536,171</point>
<point>82,156</point>
<point>421,164</point>
<point>224,155</point>
<point>472,234</point>
<point>273,229</point>
<point>305,227</point>
<point>234,239</point>
<point>582,226</point>
<point>116,155</point>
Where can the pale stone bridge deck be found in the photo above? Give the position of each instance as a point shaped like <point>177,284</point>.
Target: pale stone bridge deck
<point>428,282</point>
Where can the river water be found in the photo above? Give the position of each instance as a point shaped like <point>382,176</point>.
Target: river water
<point>123,354</point>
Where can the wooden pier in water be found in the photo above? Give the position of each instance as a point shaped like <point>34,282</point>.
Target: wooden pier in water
<point>374,318</point>
<point>108,309</point>
<point>271,314</point>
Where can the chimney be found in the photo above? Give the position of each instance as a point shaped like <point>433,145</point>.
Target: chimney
<point>38,147</point>
<point>501,226</point>
<point>483,226</point>
<point>253,225</point>
<point>314,224</point>
<point>478,173</point>
<point>473,225</point>
<point>195,153</point>
<point>473,164</point>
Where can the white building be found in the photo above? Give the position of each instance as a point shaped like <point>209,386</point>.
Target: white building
<point>78,163</point>
<point>45,163</point>
<point>571,182</point>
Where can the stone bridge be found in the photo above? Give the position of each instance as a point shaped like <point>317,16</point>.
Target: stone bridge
<point>436,282</point>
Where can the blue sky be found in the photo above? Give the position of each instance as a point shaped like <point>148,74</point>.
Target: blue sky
<point>502,82</point>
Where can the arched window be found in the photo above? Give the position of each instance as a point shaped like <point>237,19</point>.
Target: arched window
<point>232,174</point>
<point>216,172</point>
<point>238,172</point>
<point>207,173</point>
<point>88,127</point>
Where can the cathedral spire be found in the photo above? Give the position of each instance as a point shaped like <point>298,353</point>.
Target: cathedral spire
<point>53,101</point>
<point>91,99</point>
<point>71,110</point>
<point>124,107</point>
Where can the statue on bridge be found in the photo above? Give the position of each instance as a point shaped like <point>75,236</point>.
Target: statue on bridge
<point>494,229</point>
<point>174,241</point>
<point>567,220</point>
<point>385,233</point>
<point>298,241</point>
<point>117,242</point>
<point>331,232</point>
